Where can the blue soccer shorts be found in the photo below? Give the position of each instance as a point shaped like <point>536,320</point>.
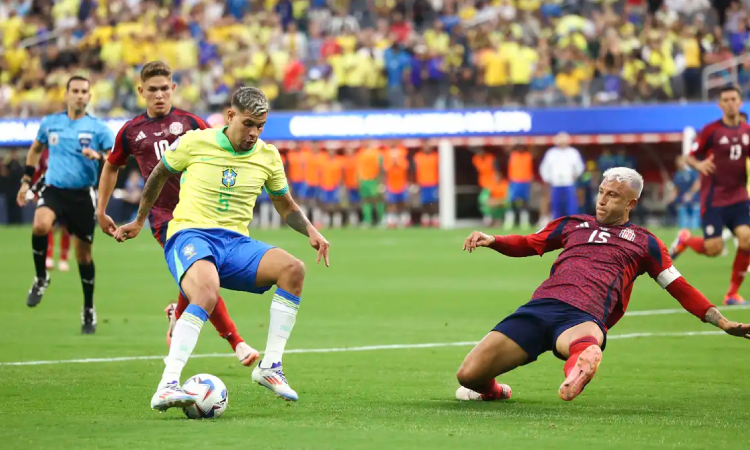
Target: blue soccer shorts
<point>235,256</point>
<point>397,197</point>
<point>298,188</point>
<point>353,195</point>
<point>714,219</point>
<point>428,194</point>
<point>329,197</point>
<point>519,191</point>
<point>536,325</point>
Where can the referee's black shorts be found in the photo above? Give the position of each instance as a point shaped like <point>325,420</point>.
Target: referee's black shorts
<point>74,208</point>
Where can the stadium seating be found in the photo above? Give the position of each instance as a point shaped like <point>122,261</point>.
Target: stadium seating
<point>345,54</point>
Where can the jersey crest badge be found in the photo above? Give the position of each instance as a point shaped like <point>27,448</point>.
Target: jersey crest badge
<point>627,234</point>
<point>228,177</point>
<point>188,251</point>
<point>175,128</point>
<point>745,139</point>
<point>54,138</point>
<point>85,139</point>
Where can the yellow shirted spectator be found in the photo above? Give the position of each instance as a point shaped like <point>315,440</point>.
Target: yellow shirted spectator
<point>437,39</point>
<point>111,53</point>
<point>11,30</point>
<point>568,83</point>
<point>16,58</point>
<point>691,49</point>
<point>528,5</point>
<point>522,65</point>
<point>187,50</point>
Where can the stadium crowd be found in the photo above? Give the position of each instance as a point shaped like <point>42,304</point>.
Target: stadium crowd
<point>343,54</point>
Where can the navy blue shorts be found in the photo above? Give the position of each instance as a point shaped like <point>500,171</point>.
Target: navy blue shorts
<point>716,218</point>
<point>536,325</point>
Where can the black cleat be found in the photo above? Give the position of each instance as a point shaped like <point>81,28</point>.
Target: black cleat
<point>37,291</point>
<point>88,319</point>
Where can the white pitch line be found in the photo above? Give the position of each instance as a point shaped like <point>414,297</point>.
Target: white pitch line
<point>337,349</point>
<point>660,312</point>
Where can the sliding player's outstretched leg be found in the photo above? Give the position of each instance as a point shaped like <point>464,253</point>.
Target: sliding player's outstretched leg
<point>200,283</point>
<point>223,323</point>
<point>495,355</point>
<point>581,346</point>
<point>288,274</point>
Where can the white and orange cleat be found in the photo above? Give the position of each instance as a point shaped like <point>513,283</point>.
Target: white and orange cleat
<point>466,394</point>
<point>171,395</point>
<point>246,354</point>
<point>169,311</point>
<point>582,373</point>
<point>274,380</point>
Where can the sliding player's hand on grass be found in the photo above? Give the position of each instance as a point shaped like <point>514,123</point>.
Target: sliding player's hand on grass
<point>319,243</point>
<point>736,328</point>
<point>478,239</point>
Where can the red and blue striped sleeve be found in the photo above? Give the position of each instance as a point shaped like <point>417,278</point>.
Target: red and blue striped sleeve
<point>121,150</point>
<point>704,141</point>
<point>547,239</point>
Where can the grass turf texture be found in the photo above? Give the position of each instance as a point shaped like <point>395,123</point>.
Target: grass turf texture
<point>384,287</point>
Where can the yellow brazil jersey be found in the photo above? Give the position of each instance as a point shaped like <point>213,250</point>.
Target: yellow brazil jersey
<point>219,186</point>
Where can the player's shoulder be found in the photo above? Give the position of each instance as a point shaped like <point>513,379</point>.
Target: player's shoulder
<point>133,123</point>
<point>264,146</point>
<point>645,235</point>
<point>185,115</point>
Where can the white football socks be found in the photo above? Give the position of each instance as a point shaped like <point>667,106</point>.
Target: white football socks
<point>284,309</point>
<point>184,337</point>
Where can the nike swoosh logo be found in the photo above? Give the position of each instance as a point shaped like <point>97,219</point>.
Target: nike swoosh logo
<point>207,159</point>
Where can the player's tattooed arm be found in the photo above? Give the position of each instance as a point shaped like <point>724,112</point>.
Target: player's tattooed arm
<point>152,189</point>
<point>713,316</point>
<point>293,216</point>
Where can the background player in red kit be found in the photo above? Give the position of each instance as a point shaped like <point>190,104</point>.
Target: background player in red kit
<point>587,292</point>
<point>147,137</point>
<point>37,183</point>
<point>720,155</point>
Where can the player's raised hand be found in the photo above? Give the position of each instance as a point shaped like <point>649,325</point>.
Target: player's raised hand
<point>107,224</point>
<point>319,243</point>
<point>707,166</point>
<point>736,329</point>
<point>478,239</point>
<point>129,231</point>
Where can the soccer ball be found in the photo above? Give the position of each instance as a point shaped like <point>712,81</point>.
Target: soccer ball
<point>212,396</point>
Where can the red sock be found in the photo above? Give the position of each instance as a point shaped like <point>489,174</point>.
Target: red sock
<point>219,319</point>
<point>224,324</point>
<point>576,348</point>
<point>64,245</point>
<point>491,391</point>
<point>50,244</point>
<point>182,303</point>
<point>697,244</point>
<point>739,268</point>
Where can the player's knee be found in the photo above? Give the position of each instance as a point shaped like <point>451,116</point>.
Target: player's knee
<point>294,270</point>
<point>41,227</point>
<point>714,247</point>
<point>466,376</point>
<point>84,258</point>
<point>743,242</point>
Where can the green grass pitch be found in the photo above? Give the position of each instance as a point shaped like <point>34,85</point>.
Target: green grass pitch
<point>383,288</point>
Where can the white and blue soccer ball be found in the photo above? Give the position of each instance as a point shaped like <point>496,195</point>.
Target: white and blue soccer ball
<point>212,396</point>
